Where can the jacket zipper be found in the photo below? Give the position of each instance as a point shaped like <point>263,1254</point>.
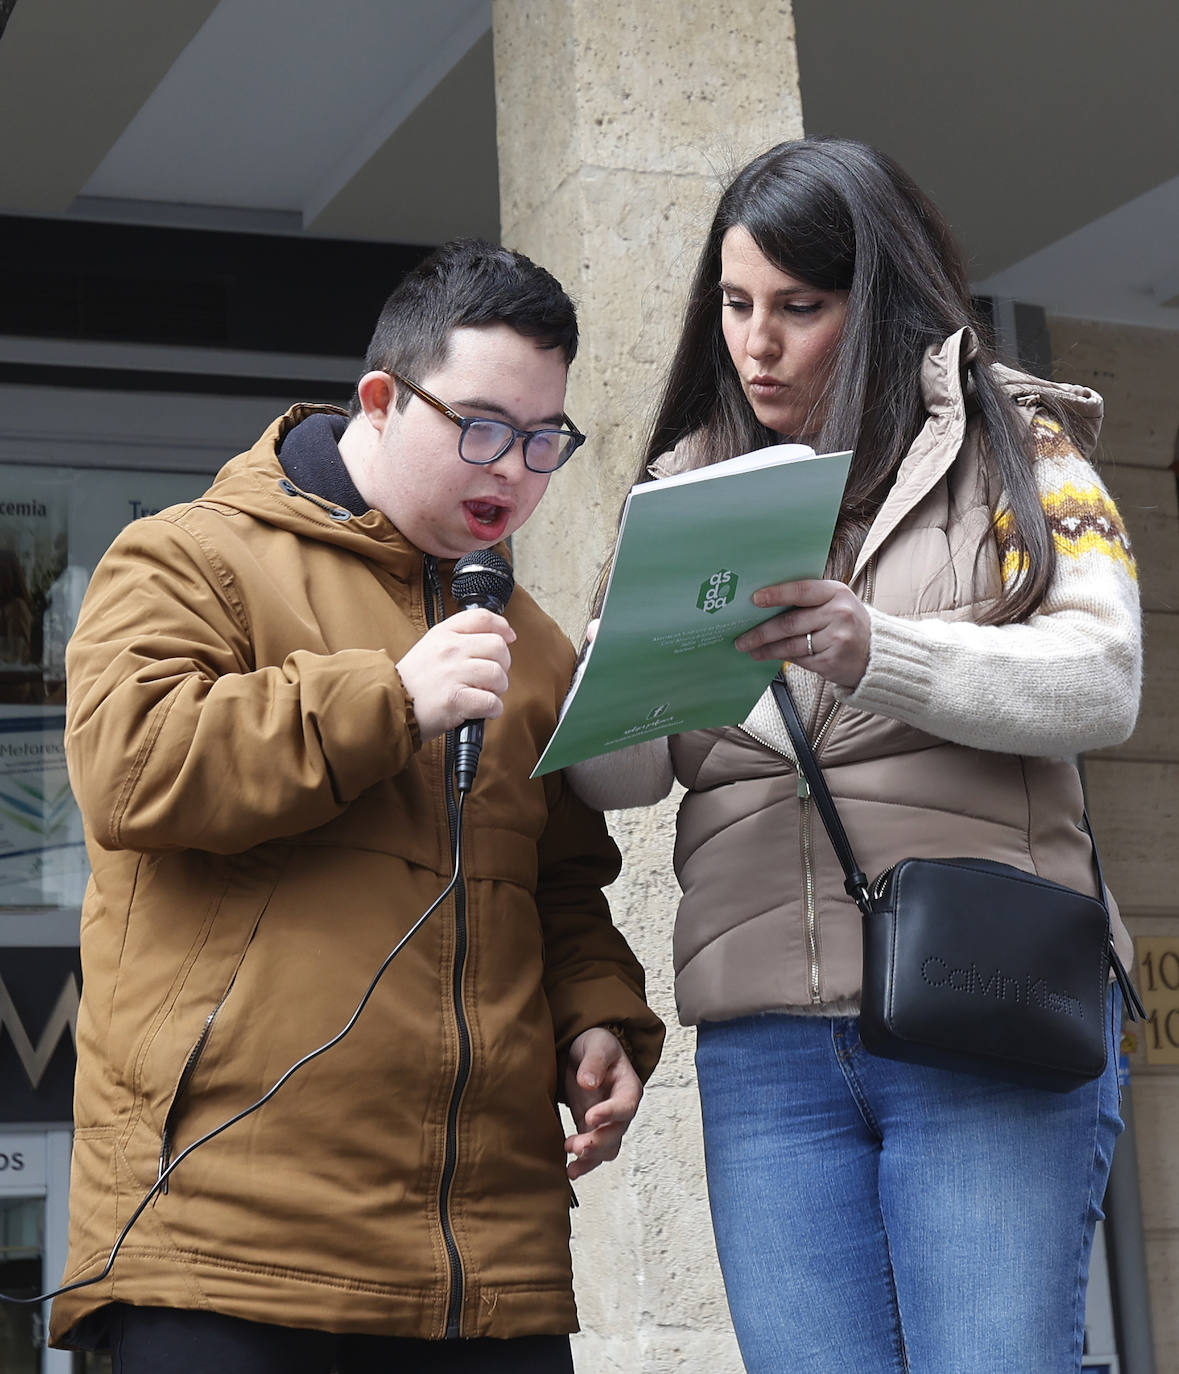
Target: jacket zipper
<point>806,818</point>
<point>190,1064</point>
<point>454,1311</point>
<point>805,826</point>
<point>190,1068</point>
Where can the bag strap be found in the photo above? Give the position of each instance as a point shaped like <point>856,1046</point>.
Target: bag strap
<point>855,881</point>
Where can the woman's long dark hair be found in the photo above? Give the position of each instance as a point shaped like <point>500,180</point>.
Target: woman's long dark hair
<point>842,216</point>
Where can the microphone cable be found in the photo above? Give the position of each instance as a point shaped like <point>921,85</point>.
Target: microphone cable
<point>166,1173</point>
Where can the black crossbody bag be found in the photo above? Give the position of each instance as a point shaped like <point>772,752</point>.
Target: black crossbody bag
<point>975,965</point>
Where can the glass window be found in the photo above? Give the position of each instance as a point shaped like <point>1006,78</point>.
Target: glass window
<point>55,524</point>
<point>22,1245</point>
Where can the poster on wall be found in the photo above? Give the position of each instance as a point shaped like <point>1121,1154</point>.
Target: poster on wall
<point>55,524</point>
<point>42,856</point>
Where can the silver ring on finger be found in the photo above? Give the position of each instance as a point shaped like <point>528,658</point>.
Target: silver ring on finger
<point>810,645</point>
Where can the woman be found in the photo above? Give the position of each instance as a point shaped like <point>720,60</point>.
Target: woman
<point>977,627</point>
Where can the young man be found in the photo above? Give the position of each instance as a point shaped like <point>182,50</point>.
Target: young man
<point>264,690</point>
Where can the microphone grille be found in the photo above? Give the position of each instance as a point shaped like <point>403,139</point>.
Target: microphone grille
<point>482,578</point>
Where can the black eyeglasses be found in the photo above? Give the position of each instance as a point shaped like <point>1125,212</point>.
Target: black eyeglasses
<point>483,441</point>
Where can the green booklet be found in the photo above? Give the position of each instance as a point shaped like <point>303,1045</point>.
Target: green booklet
<point>691,552</point>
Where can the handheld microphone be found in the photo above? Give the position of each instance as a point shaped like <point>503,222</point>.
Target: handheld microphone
<point>483,578</point>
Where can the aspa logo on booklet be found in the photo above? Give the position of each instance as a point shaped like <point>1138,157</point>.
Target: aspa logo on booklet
<point>718,591</point>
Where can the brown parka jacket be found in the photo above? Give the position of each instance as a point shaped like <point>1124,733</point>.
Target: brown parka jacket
<point>264,826</point>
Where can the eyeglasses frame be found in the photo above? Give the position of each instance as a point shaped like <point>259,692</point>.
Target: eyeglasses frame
<point>576,437</point>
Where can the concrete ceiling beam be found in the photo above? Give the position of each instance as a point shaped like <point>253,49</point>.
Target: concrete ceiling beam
<point>73,74</point>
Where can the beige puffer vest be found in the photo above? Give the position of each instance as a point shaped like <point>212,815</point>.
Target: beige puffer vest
<point>764,923</point>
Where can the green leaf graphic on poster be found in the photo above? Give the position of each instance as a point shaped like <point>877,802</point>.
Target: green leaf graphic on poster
<point>40,811</point>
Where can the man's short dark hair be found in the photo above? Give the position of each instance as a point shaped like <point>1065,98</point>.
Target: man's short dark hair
<point>467,282</point>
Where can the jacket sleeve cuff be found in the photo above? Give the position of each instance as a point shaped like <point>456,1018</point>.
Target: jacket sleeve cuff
<point>411,720</point>
<point>638,1029</point>
<point>618,1031</point>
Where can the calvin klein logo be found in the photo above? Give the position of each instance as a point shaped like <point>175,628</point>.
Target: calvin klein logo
<point>1021,989</point>
<point>64,1017</point>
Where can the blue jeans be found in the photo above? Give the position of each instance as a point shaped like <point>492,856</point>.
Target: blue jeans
<point>873,1217</point>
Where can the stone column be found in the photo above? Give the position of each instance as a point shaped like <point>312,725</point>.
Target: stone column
<point>618,125</point>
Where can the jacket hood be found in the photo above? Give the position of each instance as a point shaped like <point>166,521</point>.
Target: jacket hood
<point>256,484</point>
<point>1079,408</point>
<point>949,402</point>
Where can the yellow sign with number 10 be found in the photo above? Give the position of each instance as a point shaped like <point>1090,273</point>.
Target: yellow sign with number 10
<point>1158,982</point>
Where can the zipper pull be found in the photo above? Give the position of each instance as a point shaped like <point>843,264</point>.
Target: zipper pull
<point>804,790</point>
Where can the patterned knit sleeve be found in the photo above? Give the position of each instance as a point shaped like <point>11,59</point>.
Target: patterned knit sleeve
<point>1066,680</point>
